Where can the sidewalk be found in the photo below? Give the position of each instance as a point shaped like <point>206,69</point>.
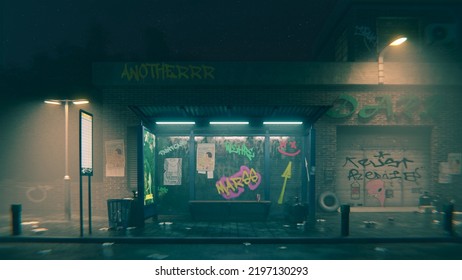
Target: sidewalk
<point>405,224</point>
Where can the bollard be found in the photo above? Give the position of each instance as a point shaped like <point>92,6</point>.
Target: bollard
<point>448,215</point>
<point>16,218</point>
<point>345,222</point>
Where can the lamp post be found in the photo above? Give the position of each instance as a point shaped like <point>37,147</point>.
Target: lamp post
<point>67,178</point>
<point>395,42</point>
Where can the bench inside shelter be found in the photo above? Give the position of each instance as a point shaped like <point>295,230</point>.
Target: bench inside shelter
<point>219,210</point>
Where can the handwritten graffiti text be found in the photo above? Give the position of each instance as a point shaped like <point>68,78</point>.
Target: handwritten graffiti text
<point>173,147</point>
<point>411,176</point>
<point>370,39</point>
<point>240,150</point>
<point>164,71</point>
<point>410,107</point>
<point>379,162</point>
<point>233,186</point>
<point>385,168</point>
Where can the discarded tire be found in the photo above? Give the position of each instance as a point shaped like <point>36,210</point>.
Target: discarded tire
<point>329,202</point>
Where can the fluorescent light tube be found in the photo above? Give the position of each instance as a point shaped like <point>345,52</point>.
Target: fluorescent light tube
<point>54,102</point>
<point>228,123</point>
<point>284,123</point>
<point>175,123</point>
<point>80,102</point>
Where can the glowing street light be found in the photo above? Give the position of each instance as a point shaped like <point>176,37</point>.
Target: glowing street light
<point>67,178</point>
<point>394,43</point>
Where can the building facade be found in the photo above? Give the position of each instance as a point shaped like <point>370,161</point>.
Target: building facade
<point>361,143</point>
<point>358,30</point>
<point>371,145</point>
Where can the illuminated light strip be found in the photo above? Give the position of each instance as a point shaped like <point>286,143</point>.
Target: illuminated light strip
<point>284,123</point>
<point>80,102</point>
<point>228,123</point>
<point>398,41</point>
<point>54,102</point>
<point>65,101</point>
<point>175,123</point>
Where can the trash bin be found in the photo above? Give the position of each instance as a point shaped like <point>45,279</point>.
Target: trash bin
<point>119,212</point>
<point>296,212</point>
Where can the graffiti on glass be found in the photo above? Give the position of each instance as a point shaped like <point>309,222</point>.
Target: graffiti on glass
<point>241,150</point>
<point>234,185</point>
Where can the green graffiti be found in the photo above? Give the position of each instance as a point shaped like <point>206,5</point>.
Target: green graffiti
<point>164,71</point>
<point>409,105</point>
<point>163,191</point>
<point>383,103</point>
<point>343,107</point>
<point>240,150</point>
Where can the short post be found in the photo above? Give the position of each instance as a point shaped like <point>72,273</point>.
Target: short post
<point>345,220</point>
<point>448,216</point>
<point>16,210</point>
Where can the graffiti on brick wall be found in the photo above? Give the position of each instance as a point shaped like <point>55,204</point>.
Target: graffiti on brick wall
<point>385,167</point>
<point>239,149</point>
<point>38,193</point>
<point>407,106</point>
<point>376,189</point>
<point>165,71</point>
<point>369,37</point>
<point>234,185</point>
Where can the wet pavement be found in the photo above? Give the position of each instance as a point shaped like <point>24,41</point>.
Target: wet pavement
<point>371,235</point>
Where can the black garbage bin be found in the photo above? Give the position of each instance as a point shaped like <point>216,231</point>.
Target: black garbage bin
<point>296,212</point>
<point>119,212</point>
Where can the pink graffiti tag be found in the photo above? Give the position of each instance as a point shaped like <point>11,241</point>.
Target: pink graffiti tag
<point>233,186</point>
<point>376,188</point>
<point>283,148</point>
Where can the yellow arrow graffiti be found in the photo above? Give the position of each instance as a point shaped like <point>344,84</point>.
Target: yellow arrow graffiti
<point>287,174</point>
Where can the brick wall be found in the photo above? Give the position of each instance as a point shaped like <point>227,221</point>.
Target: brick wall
<point>437,109</point>
<point>433,107</point>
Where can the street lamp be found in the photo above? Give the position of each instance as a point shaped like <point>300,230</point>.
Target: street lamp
<point>67,178</point>
<point>395,42</point>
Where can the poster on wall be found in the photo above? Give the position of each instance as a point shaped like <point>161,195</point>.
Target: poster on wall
<point>205,159</point>
<point>149,167</point>
<point>454,161</point>
<point>172,171</point>
<point>444,176</point>
<point>115,158</point>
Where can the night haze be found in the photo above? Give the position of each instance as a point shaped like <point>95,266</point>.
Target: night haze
<point>168,30</point>
<point>285,129</point>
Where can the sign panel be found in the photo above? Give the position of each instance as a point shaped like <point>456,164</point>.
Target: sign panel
<point>149,152</point>
<point>86,143</point>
